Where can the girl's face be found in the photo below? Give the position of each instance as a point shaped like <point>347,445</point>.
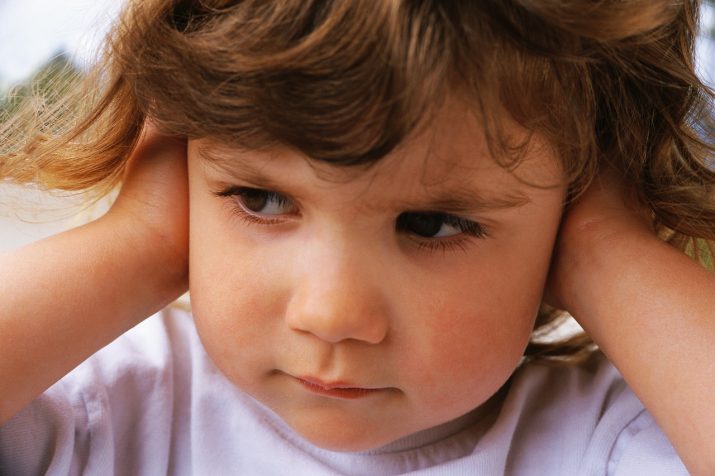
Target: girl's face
<point>365,305</point>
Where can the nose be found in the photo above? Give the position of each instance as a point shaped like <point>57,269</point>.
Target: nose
<point>336,298</point>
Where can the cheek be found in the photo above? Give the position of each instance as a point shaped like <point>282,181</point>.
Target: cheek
<point>233,301</point>
<point>473,330</point>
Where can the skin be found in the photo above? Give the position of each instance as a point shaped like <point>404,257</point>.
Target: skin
<point>609,270</point>
<point>327,287</point>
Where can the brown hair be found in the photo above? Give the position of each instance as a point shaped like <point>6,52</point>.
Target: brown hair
<point>607,82</point>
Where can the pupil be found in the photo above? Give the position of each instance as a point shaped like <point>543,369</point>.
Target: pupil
<point>254,200</point>
<point>424,224</point>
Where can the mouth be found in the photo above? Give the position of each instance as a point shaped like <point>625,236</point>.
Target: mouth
<point>343,390</point>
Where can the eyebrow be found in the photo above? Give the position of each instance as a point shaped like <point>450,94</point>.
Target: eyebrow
<point>220,158</point>
<point>465,200</point>
<point>452,198</point>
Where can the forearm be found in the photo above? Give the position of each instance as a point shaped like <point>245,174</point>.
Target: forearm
<point>65,297</point>
<point>652,311</point>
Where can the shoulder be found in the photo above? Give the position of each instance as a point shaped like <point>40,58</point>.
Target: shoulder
<point>143,360</point>
<point>587,419</point>
<point>128,388</point>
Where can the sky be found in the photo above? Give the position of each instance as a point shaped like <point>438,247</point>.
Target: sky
<point>706,47</point>
<point>31,31</point>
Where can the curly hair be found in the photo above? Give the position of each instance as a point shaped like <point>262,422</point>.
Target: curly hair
<point>608,83</point>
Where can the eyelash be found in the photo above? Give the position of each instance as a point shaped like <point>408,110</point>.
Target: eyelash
<point>231,193</point>
<point>469,229</point>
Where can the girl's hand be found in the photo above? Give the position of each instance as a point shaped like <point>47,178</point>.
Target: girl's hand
<point>605,216</point>
<point>67,296</point>
<point>153,205</point>
<point>649,308</point>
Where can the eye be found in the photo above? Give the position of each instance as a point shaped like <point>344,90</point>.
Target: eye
<point>258,205</point>
<point>263,202</point>
<point>437,225</point>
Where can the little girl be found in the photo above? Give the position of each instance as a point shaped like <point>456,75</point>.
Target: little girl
<point>379,208</point>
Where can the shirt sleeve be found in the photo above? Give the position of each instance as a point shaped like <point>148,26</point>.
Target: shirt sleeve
<point>115,410</point>
<point>46,437</point>
<point>642,448</point>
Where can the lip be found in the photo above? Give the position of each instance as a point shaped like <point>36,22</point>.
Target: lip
<point>337,389</point>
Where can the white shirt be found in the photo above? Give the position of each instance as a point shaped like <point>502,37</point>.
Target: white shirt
<point>152,403</point>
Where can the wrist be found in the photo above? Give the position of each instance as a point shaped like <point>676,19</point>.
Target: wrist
<point>593,262</point>
<point>160,270</point>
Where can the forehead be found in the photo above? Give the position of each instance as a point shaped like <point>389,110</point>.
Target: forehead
<point>449,152</point>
